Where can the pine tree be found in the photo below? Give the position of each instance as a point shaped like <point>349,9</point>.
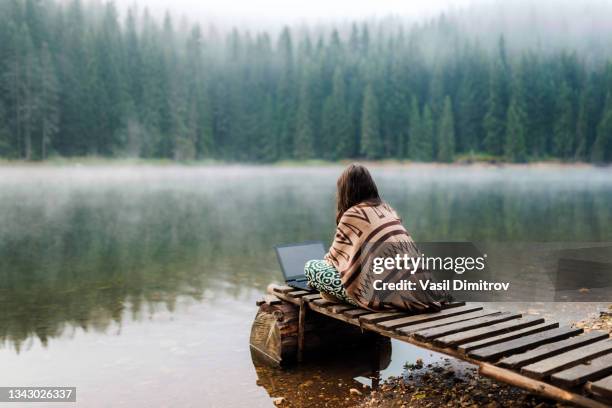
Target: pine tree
<point>345,146</point>
<point>415,132</point>
<point>601,151</point>
<point>494,121</point>
<point>564,127</point>
<point>304,138</point>
<point>426,149</point>
<point>371,146</point>
<point>48,101</point>
<point>514,148</point>
<point>446,133</point>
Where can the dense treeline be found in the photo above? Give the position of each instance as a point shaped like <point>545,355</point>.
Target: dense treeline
<point>81,80</point>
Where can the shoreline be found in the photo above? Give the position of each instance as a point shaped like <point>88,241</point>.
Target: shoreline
<point>387,163</point>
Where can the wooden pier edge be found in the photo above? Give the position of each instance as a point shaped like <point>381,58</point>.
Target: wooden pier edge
<point>485,368</point>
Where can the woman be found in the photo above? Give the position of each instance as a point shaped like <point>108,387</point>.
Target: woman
<point>366,227</point>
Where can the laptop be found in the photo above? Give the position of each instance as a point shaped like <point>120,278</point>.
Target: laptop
<point>293,257</point>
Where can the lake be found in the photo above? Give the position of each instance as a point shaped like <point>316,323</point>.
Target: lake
<point>137,284</point>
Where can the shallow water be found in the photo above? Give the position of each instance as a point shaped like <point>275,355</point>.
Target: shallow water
<point>137,284</point>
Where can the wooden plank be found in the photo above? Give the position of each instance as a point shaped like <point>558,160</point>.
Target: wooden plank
<point>269,299</point>
<point>452,304</point>
<point>537,387</point>
<point>324,302</point>
<point>426,317</point>
<point>449,320</point>
<point>465,348</point>
<point>340,308</point>
<point>453,340</point>
<point>435,332</point>
<point>312,297</point>
<point>602,387</point>
<point>301,327</point>
<point>357,312</point>
<point>281,288</point>
<point>580,374</point>
<point>523,343</point>
<point>380,316</point>
<point>549,350</point>
<point>298,293</point>
<point>544,368</point>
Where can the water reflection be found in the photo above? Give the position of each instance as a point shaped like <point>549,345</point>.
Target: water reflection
<point>328,379</point>
<point>79,246</point>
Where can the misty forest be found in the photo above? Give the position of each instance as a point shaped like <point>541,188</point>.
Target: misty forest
<point>80,79</point>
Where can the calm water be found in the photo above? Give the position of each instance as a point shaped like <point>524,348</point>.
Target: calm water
<point>137,284</point>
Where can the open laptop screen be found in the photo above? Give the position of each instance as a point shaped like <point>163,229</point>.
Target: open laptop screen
<point>292,257</point>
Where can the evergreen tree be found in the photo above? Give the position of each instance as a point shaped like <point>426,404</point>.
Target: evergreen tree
<point>494,121</point>
<point>426,151</point>
<point>602,147</point>
<point>446,133</point>
<point>304,137</point>
<point>514,148</point>
<point>371,144</point>
<point>565,124</point>
<point>48,101</point>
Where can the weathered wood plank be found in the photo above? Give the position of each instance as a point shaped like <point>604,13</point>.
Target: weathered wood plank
<point>465,348</point>
<point>356,312</point>
<point>268,299</point>
<point>450,320</point>
<point>324,302</point>
<point>452,304</point>
<point>549,350</point>
<point>281,288</point>
<point>602,387</point>
<point>580,374</point>
<point>523,343</point>
<point>453,340</point>
<point>312,297</point>
<point>340,308</point>
<point>426,317</point>
<point>544,368</point>
<point>298,293</point>
<point>433,333</point>
<point>380,316</point>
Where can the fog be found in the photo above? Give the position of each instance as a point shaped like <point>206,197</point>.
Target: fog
<point>271,12</point>
<point>544,25</point>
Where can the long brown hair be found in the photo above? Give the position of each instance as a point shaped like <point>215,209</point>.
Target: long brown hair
<point>354,186</point>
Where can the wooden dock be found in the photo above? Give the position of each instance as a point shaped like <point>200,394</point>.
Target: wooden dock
<point>561,363</point>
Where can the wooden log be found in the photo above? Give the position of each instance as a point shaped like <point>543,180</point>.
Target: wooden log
<point>537,387</point>
<point>582,373</point>
<point>549,350</point>
<point>601,387</point>
<point>467,336</point>
<point>275,332</point>
<point>438,323</point>
<point>427,317</point>
<point>544,368</point>
<point>523,343</point>
<point>301,325</point>
<point>433,333</point>
<point>465,348</point>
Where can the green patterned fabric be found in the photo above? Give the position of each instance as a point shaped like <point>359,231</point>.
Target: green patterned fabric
<point>325,278</point>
